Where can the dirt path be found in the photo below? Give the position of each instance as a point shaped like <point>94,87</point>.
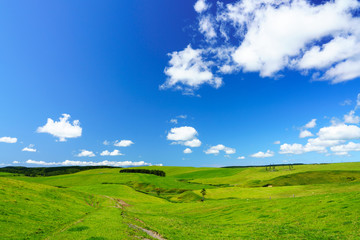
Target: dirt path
<point>118,203</point>
<point>148,232</point>
<point>122,204</point>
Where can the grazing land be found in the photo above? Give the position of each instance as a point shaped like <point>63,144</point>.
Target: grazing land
<point>302,202</point>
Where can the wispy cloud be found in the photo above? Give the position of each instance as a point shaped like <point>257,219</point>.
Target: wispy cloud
<point>8,140</point>
<point>30,148</point>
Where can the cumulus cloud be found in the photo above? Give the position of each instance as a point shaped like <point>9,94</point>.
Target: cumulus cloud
<point>216,149</point>
<point>192,143</point>
<point>8,140</point>
<point>188,70</point>
<point>339,132</point>
<point>241,157</point>
<point>84,163</point>
<point>345,148</point>
<point>62,129</point>
<point>123,143</point>
<point>187,151</point>
<point>305,134</point>
<point>85,153</point>
<point>182,134</point>
<point>271,36</point>
<point>186,136</point>
<point>113,153</point>
<point>201,6</point>
<point>15,162</point>
<point>106,142</point>
<point>30,148</point>
<point>266,154</point>
<point>174,121</point>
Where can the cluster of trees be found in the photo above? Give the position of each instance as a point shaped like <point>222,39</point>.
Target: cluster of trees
<point>271,168</point>
<point>146,171</point>
<point>48,171</point>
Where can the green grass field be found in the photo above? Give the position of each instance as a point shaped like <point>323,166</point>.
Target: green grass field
<point>307,202</point>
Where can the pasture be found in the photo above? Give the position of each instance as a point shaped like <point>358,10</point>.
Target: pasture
<point>305,202</point>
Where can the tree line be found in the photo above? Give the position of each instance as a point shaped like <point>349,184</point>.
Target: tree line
<point>48,171</point>
<point>145,171</point>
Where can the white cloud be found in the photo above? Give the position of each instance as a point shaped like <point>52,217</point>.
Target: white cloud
<point>187,151</point>
<point>84,163</point>
<point>216,150</point>
<point>186,136</point>
<point>30,148</point>
<point>41,162</point>
<point>336,50</point>
<point>123,143</point>
<point>201,6</point>
<point>15,162</point>
<point>339,132</point>
<point>279,32</point>
<point>342,154</point>
<point>295,148</point>
<point>351,118</point>
<point>357,101</point>
<point>344,149</point>
<point>175,120</point>
<point>206,27</point>
<point>192,143</point>
<point>277,142</point>
<point>106,142</point>
<point>8,140</point>
<point>269,37</point>
<point>241,157</point>
<point>113,153</point>
<point>266,154</point>
<point>62,129</point>
<point>311,124</point>
<point>305,134</point>
<point>344,71</point>
<point>313,145</point>
<point>85,153</point>
<point>182,134</point>
<point>189,69</point>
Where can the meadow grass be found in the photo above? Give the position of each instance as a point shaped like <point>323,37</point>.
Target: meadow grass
<point>308,202</point>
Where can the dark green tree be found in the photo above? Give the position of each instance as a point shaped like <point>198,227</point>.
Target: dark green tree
<point>203,192</point>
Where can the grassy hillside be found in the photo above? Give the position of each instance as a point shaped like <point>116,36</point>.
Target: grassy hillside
<point>308,202</point>
<point>23,206</point>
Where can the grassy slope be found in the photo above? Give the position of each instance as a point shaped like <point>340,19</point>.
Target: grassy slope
<point>23,206</point>
<point>329,211</point>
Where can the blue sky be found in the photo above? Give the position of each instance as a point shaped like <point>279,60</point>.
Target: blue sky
<point>224,80</point>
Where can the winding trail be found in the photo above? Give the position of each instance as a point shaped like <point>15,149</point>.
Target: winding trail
<point>122,204</point>
<point>118,203</point>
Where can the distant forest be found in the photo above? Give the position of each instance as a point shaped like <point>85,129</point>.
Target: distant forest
<point>48,171</point>
<point>146,171</point>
